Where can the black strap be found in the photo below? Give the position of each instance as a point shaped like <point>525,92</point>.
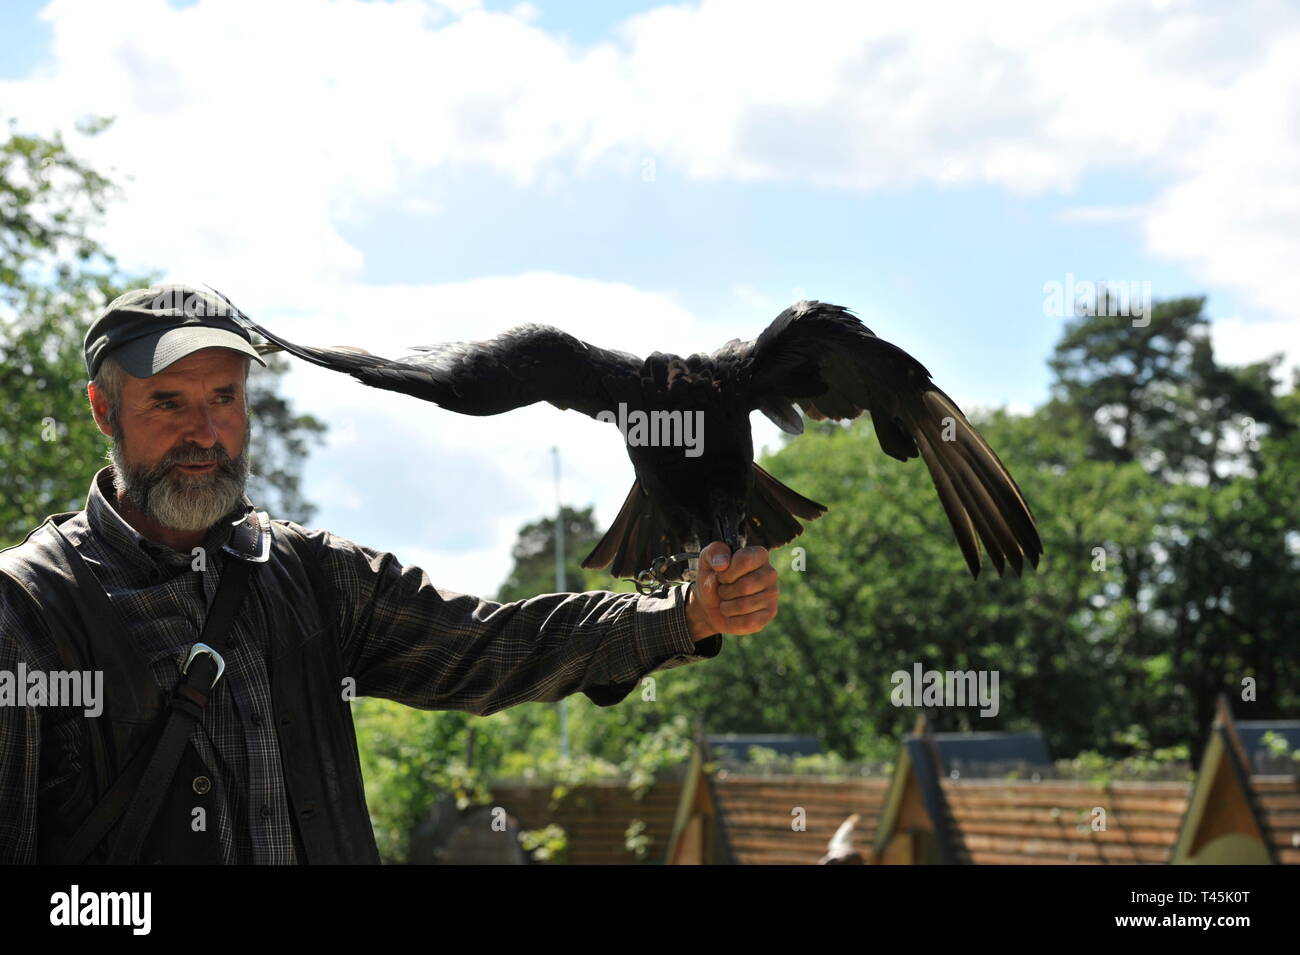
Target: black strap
<point>187,704</point>
<point>107,811</point>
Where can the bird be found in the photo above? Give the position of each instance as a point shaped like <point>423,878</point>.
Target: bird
<point>840,851</point>
<point>815,356</point>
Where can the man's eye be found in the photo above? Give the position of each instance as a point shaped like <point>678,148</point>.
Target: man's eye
<point>167,405</point>
<point>225,399</point>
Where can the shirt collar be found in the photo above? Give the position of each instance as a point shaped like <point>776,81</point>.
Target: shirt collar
<point>104,519</point>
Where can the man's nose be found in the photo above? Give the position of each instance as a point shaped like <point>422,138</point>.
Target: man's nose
<point>200,428</point>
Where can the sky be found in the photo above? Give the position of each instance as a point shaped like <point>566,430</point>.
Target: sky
<point>666,177</point>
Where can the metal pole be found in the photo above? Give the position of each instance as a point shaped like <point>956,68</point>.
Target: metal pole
<point>559,589</point>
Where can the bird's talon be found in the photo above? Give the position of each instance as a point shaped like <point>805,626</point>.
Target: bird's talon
<point>656,576</point>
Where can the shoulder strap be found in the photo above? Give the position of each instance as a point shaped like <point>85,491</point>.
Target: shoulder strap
<point>203,667</point>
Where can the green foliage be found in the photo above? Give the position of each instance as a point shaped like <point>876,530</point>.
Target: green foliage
<point>534,556</point>
<point>636,840</point>
<point>1276,744</point>
<point>549,844</point>
<point>410,757</point>
<point>762,760</point>
<point>1142,762</point>
<point>48,200</point>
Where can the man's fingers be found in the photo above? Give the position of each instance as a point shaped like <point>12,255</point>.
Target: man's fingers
<point>742,562</point>
<point>741,596</point>
<point>752,583</point>
<point>751,622</point>
<point>744,605</point>
<point>714,558</point>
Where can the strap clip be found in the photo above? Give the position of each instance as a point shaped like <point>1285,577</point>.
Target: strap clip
<point>201,648</point>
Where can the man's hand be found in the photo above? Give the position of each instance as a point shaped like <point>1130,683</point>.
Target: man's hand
<point>733,593</point>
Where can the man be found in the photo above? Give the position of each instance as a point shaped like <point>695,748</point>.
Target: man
<point>239,748</point>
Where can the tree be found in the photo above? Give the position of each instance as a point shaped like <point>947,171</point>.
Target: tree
<point>534,556</point>
<point>54,278</point>
<point>1155,393</point>
<point>1210,584</point>
<point>280,439</point>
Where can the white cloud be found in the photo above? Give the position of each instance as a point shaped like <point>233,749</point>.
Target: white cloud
<point>249,134</point>
<point>1239,342</point>
<point>252,130</point>
<point>1105,213</point>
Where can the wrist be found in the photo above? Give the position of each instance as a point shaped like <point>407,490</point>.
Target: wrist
<point>696,619</point>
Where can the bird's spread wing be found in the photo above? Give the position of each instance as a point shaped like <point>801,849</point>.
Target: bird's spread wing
<point>527,364</point>
<point>823,359</point>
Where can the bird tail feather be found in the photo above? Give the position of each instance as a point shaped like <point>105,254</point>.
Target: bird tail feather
<point>773,508</point>
<point>629,539</point>
<point>981,499</point>
<point>641,531</point>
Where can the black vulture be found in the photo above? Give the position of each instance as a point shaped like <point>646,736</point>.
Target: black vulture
<point>686,426</point>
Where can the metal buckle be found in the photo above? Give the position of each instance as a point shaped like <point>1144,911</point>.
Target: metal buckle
<point>199,648</point>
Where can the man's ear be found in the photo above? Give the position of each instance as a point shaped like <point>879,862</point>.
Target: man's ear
<point>99,408</point>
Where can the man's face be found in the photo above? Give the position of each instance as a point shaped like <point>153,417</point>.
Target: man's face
<point>180,442</point>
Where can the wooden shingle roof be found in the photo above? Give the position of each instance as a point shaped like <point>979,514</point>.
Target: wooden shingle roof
<point>788,820</point>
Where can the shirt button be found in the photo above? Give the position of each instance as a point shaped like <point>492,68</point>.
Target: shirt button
<point>201,784</point>
<point>266,811</point>
<point>257,719</point>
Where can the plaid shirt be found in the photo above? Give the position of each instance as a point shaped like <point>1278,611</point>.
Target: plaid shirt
<point>402,638</point>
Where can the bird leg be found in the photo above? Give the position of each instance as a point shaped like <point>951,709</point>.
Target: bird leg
<point>693,565</point>
<point>677,569</point>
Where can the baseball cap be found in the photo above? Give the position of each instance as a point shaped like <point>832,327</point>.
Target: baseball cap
<point>147,329</point>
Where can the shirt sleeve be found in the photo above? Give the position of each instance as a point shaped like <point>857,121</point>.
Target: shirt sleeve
<point>404,639</point>
<point>22,780</point>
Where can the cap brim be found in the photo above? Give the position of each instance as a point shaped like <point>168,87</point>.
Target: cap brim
<point>146,357</point>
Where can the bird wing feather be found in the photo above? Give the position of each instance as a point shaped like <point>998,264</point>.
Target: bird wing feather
<point>822,358</point>
<point>522,366</point>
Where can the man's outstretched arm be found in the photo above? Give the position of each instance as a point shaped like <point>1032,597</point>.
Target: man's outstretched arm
<point>406,640</point>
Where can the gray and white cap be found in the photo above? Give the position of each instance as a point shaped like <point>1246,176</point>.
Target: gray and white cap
<point>148,329</point>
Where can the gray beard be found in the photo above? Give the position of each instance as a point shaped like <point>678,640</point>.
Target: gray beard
<point>184,502</point>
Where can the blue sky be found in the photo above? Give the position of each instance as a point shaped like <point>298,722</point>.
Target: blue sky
<point>464,168</point>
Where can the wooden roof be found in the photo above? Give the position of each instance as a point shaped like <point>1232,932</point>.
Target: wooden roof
<point>762,816</point>
<point>1278,801</point>
<point>924,815</point>
<point>1236,816</point>
<point>1021,822</point>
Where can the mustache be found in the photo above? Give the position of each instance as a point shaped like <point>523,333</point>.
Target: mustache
<point>193,454</point>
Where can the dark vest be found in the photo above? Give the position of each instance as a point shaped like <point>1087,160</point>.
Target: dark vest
<point>318,750</point>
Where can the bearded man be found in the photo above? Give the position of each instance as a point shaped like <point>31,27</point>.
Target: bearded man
<point>230,644</point>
